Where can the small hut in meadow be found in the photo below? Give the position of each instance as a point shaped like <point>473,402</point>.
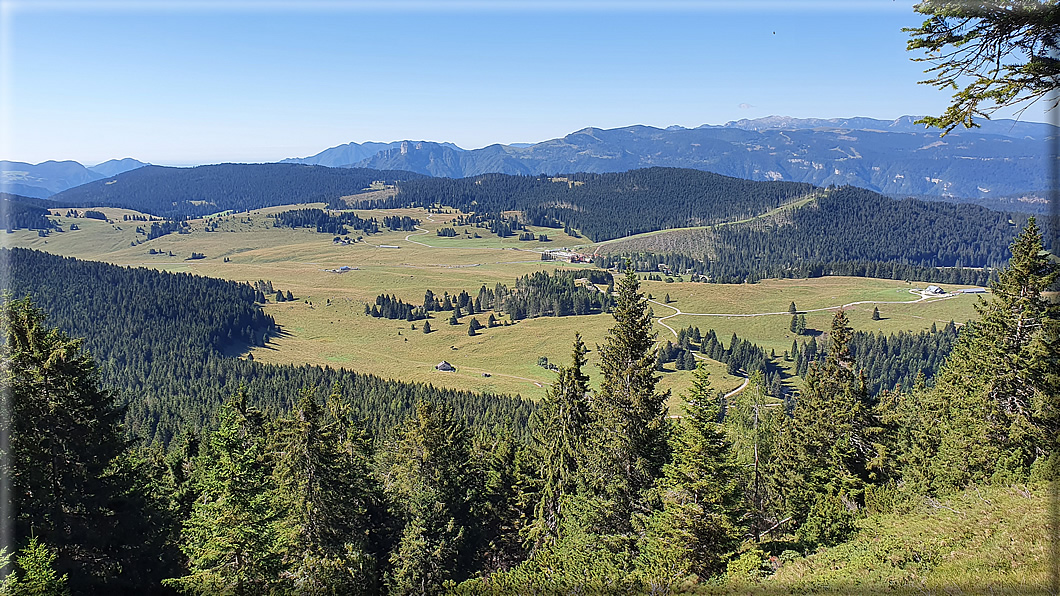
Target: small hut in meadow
<point>445,366</point>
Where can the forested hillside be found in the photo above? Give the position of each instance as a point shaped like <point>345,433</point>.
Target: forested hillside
<point>18,212</point>
<point>846,231</point>
<point>605,206</point>
<point>178,193</point>
<point>160,338</point>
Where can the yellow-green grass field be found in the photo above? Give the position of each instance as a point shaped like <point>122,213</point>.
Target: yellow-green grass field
<point>772,331</point>
<point>340,334</point>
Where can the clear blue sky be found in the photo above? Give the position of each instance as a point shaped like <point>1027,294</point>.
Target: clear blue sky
<point>184,83</point>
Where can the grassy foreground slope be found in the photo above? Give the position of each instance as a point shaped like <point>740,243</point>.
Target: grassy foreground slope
<point>991,540</point>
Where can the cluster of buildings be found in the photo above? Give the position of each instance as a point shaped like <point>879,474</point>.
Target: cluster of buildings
<point>568,256</point>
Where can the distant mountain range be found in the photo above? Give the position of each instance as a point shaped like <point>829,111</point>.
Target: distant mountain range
<point>47,178</point>
<point>351,153</point>
<point>1001,165</point>
<point>897,157</point>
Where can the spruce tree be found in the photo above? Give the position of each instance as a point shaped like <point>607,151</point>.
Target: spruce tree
<point>993,414</point>
<point>699,524</point>
<point>630,431</point>
<point>64,456</point>
<point>830,433</point>
<point>36,574</point>
<point>558,430</point>
<point>431,483</point>
<point>230,538</point>
<point>791,309</point>
<point>329,502</point>
<point>689,361</point>
<point>875,313</point>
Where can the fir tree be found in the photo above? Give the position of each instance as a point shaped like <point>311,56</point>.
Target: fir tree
<point>36,574</point>
<point>63,458</point>
<point>558,434</point>
<point>993,413</point>
<point>327,499</point>
<point>431,483</point>
<point>698,526</point>
<point>630,432</point>
<point>231,537</point>
<point>875,313</point>
<point>830,433</point>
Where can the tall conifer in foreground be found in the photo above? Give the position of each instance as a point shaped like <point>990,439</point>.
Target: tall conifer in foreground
<point>698,526</point>
<point>431,483</point>
<point>231,539</point>
<point>328,499</point>
<point>829,436</point>
<point>629,413</point>
<point>993,414</point>
<point>558,435</point>
<point>73,483</point>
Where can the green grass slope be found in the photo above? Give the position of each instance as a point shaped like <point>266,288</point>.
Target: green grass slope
<point>991,540</point>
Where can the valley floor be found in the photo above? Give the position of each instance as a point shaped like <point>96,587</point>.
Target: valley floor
<point>326,325</point>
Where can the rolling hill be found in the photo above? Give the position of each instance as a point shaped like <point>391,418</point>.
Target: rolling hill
<point>47,178</point>
<point>194,192</point>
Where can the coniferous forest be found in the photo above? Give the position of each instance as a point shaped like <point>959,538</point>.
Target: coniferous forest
<point>177,193</point>
<point>306,481</point>
<point>868,235</point>
<point>17,212</point>
<point>603,206</point>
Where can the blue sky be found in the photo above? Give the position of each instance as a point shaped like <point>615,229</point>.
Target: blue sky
<point>187,83</point>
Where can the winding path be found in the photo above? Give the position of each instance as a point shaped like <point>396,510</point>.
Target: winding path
<point>421,232</point>
<point>679,312</point>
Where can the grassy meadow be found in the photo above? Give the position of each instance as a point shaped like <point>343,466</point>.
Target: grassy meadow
<point>326,324</point>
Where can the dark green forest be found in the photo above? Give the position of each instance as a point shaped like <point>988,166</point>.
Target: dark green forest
<point>868,235</point>
<point>325,222</point>
<point>603,492</point>
<point>181,193</point>
<point>888,362</point>
<point>24,213</point>
<point>603,206</point>
<point>705,271</point>
<point>561,293</point>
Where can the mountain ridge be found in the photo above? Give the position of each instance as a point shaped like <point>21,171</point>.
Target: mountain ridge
<point>44,179</point>
<point>892,157</point>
